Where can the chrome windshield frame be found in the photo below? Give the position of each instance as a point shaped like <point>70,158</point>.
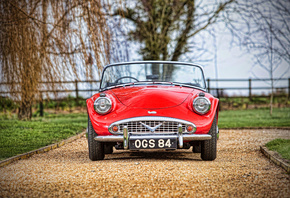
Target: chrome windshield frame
<point>150,82</point>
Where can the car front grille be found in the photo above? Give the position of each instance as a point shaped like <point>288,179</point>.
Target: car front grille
<point>166,126</point>
<point>150,124</point>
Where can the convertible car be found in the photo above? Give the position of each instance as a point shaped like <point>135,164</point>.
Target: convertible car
<point>152,105</point>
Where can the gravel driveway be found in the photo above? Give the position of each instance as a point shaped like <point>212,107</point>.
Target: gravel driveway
<point>240,170</point>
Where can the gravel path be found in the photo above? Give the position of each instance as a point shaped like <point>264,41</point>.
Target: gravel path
<point>240,170</point>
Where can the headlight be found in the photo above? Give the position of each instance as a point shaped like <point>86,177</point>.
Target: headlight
<point>102,105</point>
<point>201,105</point>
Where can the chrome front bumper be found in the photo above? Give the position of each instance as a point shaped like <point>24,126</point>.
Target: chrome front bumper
<point>125,137</point>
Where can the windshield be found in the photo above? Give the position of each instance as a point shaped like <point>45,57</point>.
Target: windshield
<point>142,73</point>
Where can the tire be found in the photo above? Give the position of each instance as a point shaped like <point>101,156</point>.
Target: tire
<point>96,149</point>
<point>209,147</point>
<point>108,149</point>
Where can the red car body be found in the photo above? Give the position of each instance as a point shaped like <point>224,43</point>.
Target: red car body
<point>157,101</point>
<point>166,101</point>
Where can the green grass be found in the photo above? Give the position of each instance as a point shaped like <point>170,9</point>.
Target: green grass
<point>282,146</point>
<point>17,137</point>
<point>254,118</point>
<point>282,98</point>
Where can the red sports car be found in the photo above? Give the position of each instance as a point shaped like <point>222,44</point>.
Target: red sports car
<point>152,105</point>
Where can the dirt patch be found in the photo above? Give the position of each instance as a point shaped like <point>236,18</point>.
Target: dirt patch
<point>239,170</point>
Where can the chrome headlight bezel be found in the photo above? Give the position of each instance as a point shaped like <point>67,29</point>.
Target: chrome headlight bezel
<point>196,108</point>
<point>105,108</point>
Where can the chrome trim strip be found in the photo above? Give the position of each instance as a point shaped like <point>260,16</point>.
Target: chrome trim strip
<point>180,137</point>
<point>126,137</point>
<point>136,137</point>
<point>120,138</point>
<point>149,118</point>
<point>144,133</point>
<point>188,137</point>
<point>110,138</point>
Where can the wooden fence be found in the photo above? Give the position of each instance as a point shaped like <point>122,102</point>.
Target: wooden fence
<point>219,91</point>
<point>75,90</point>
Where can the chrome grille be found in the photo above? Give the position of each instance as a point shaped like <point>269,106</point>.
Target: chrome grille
<point>166,127</point>
<point>136,125</point>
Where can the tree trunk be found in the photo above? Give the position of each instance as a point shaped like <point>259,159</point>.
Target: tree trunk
<point>25,111</point>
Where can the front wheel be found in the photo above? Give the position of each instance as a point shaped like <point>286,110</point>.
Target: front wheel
<point>209,147</point>
<point>96,149</point>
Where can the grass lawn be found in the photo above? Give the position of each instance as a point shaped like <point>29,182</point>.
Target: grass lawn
<point>17,137</point>
<point>254,118</point>
<point>282,146</point>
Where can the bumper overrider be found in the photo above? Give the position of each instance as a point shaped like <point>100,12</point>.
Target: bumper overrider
<point>126,131</point>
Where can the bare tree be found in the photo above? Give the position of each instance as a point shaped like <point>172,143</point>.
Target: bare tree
<point>263,28</point>
<point>44,40</point>
<point>164,27</point>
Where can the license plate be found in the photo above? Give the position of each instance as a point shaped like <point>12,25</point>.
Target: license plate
<point>153,143</point>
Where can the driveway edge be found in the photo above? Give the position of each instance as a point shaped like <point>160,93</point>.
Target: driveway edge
<point>41,150</point>
<point>256,128</point>
<point>270,154</point>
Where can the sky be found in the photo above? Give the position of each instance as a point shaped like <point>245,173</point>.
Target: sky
<point>237,63</point>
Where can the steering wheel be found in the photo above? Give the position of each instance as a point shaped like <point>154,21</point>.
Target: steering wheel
<point>116,81</point>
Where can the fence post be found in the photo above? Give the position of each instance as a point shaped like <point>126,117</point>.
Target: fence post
<point>208,85</point>
<point>77,92</point>
<point>41,105</point>
<point>288,88</point>
<point>250,89</point>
